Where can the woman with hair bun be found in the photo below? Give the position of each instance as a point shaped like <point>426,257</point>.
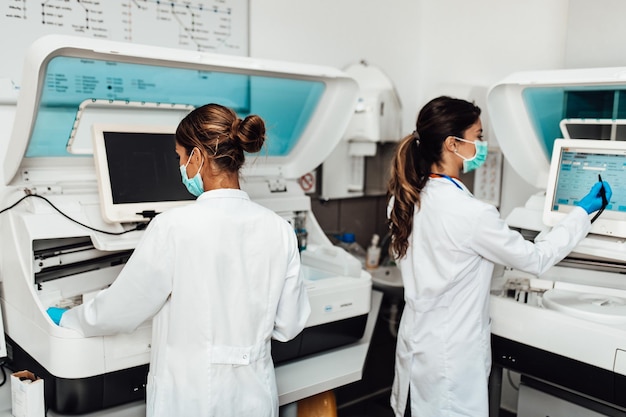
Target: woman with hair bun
<point>219,277</point>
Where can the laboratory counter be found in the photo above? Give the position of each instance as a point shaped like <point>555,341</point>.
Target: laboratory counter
<point>296,380</point>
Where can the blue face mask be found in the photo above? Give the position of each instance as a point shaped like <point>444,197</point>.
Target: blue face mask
<point>479,158</point>
<point>194,185</point>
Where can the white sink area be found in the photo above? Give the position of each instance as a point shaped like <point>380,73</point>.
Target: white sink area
<point>387,278</point>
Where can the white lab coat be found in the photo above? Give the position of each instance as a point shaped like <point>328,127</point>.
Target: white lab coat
<point>443,351</point>
<point>221,277</point>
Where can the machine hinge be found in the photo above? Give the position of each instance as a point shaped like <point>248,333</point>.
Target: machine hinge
<point>277,185</point>
<point>45,190</point>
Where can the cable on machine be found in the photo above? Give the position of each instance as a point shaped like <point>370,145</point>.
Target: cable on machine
<point>140,226</point>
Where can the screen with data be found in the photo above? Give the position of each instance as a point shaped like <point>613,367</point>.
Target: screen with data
<point>578,164</point>
<point>579,168</point>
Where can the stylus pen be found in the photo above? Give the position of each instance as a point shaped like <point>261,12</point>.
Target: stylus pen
<point>604,200</point>
<point>602,192</point>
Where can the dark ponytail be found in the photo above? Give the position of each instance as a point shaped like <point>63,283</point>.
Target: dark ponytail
<point>414,158</point>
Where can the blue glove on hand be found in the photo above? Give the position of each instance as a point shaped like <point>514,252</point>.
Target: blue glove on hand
<point>593,201</point>
<point>56,313</point>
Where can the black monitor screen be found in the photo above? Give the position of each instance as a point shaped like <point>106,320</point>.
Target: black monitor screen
<point>144,167</point>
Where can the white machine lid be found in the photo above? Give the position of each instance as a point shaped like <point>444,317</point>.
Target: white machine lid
<point>68,83</point>
<point>527,108</point>
<point>600,308</point>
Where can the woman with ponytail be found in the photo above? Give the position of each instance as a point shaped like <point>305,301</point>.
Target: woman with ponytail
<point>219,278</point>
<point>446,243</point>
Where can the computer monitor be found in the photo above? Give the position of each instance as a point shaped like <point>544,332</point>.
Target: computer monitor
<point>138,171</point>
<point>575,166</point>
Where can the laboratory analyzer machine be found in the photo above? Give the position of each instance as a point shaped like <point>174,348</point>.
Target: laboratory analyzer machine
<point>84,103</point>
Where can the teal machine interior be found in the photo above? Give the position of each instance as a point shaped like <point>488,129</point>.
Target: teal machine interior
<point>285,104</point>
<point>591,112</point>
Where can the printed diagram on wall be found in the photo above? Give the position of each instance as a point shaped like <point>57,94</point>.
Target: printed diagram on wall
<point>219,26</point>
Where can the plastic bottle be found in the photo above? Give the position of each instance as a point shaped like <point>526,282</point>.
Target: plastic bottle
<point>373,253</point>
<point>300,229</point>
<point>349,243</point>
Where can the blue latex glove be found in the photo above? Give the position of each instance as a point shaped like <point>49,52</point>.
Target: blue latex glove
<point>593,201</point>
<point>56,313</point>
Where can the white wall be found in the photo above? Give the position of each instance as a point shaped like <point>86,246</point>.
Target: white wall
<point>596,34</point>
<point>340,33</point>
<point>479,42</point>
<point>426,47</point>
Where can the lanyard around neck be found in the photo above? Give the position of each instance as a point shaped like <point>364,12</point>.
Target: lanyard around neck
<point>449,178</point>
